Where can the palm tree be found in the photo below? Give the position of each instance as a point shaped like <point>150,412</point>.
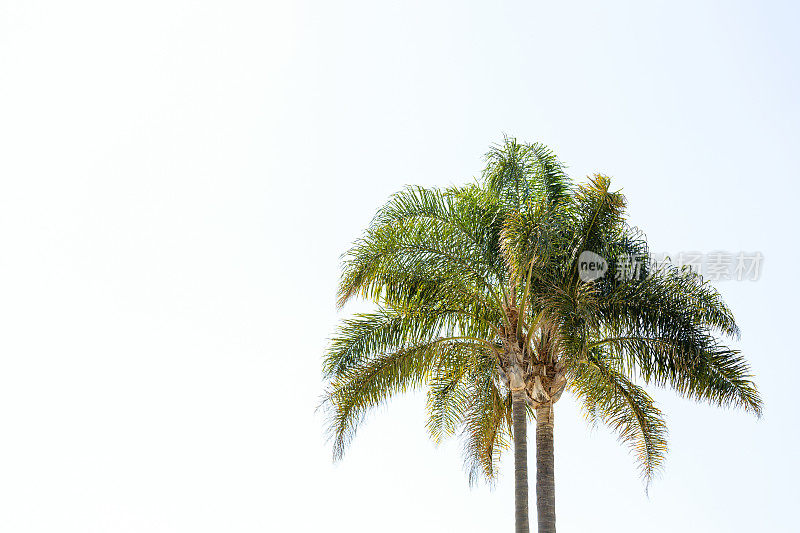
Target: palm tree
<point>480,296</point>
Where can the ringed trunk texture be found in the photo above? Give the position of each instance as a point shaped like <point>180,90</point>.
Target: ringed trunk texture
<point>545,474</point>
<point>520,421</point>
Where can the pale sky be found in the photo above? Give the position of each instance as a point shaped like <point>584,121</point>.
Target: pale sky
<point>178,180</point>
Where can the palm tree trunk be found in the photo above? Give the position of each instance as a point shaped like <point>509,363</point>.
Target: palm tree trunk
<point>519,414</point>
<point>545,474</point>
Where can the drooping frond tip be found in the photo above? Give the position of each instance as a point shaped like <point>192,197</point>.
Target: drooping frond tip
<point>606,394</point>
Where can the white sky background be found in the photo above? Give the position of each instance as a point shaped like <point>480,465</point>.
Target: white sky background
<point>178,179</point>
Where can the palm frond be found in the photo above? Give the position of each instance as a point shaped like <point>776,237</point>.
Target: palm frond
<point>377,379</point>
<point>607,394</point>
<point>409,249</point>
<point>520,175</point>
<point>486,428</point>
